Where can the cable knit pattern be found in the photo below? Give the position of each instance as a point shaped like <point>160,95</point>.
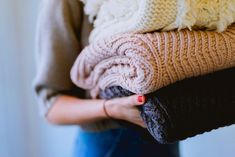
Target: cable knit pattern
<point>187,108</point>
<point>143,63</point>
<point>141,16</point>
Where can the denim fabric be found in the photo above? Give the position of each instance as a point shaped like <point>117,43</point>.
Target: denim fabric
<point>122,142</point>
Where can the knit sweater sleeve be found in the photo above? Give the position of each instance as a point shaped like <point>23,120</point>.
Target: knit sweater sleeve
<point>57,45</point>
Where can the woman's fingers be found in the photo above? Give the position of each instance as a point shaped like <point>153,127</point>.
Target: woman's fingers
<point>141,123</point>
<point>125,108</point>
<point>136,100</point>
<point>134,117</point>
<point>133,100</point>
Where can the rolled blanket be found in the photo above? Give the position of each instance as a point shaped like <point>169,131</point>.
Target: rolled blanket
<point>187,108</point>
<point>141,16</point>
<point>144,63</point>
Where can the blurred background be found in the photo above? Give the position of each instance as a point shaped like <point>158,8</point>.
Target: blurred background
<point>23,133</point>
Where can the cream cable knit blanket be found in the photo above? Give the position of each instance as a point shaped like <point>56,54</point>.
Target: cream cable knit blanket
<point>140,16</point>
<point>143,63</point>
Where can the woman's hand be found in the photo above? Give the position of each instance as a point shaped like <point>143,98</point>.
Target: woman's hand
<point>125,108</point>
<point>69,110</point>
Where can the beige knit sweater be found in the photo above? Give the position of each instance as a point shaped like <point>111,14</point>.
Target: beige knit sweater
<point>143,63</point>
<point>141,16</point>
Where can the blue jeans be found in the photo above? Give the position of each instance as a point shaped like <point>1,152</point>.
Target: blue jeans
<point>123,142</point>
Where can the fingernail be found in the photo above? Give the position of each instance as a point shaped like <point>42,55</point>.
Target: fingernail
<point>141,99</point>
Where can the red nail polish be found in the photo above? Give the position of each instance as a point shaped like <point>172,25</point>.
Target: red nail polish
<point>141,99</point>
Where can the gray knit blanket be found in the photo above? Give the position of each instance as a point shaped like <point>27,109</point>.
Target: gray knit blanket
<point>187,108</point>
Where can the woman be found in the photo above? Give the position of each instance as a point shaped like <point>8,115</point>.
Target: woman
<point>62,32</point>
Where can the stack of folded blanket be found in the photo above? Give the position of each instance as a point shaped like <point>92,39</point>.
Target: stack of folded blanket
<point>143,63</point>
<point>186,73</point>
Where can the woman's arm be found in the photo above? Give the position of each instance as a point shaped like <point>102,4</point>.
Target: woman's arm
<point>72,110</point>
<point>57,46</point>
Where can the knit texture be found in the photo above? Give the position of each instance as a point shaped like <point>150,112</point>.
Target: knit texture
<point>144,63</point>
<point>187,108</point>
<point>140,16</point>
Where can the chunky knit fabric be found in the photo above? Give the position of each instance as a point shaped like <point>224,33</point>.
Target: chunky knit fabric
<point>143,63</point>
<point>187,108</point>
<point>140,16</point>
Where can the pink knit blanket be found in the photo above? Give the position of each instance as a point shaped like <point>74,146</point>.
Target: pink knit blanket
<point>143,63</point>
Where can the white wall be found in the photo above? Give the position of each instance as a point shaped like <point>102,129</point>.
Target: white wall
<point>22,132</point>
<point>218,143</point>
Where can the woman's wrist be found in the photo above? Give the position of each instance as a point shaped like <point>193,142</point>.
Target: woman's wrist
<point>112,109</point>
<point>106,110</point>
